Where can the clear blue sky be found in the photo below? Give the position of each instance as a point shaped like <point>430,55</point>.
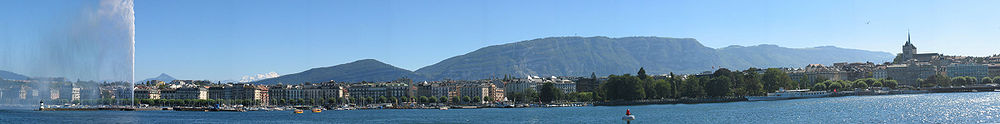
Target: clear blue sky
<point>226,39</point>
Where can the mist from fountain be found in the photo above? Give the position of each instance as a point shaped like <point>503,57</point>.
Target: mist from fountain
<point>95,43</point>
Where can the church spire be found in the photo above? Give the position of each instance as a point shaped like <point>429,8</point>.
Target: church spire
<point>908,44</point>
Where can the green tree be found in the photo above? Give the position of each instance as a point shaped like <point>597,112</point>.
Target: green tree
<point>753,83</point>
<point>972,80</point>
<point>845,84</point>
<point>624,87</point>
<point>383,99</point>
<point>996,79</point>
<point>424,99</point>
<point>959,80</point>
<point>877,83</point>
<point>860,84</point>
<point>775,78</point>
<point>693,87</point>
<point>642,74</point>
<point>331,101</point>
<point>549,92</point>
<point>936,80</point>
<point>675,84</point>
<point>719,86</point>
<point>456,100</point>
<point>466,99</point>
<point>663,88</point>
<point>986,80</point>
<point>489,99</point>
<point>819,87</point>
<point>835,85</point>
<point>889,83</point>
<point>442,99</point>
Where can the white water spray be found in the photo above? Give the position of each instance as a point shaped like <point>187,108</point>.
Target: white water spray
<point>93,43</point>
<point>122,15</point>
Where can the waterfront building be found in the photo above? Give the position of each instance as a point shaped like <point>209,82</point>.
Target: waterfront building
<point>440,90</point>
<point>424,89</point>
<point>475,90</point>
<point>332,90</point>
<point>971,70</point>
<point>880,72</point>
<point>379,89</point>
<point>262,94</point>
<point>313,91</point>
<point>294,92</point>
<point>142,92</point>
<point>185,93</point>
<point>277,92</point>
<point>908,74</point>
<point>397,90</point>
<point>534,83</point>
<point>993,69</point>
<point>566,86</point>
<point>240,92</point>
<point>520,86</point>
<point>366,90</point>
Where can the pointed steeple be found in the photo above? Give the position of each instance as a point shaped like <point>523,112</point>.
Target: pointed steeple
<point>907,36</point>
<point>908,48</point>
<point>908,44</point>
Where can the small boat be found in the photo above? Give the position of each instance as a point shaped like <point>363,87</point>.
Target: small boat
<point>789,94</point>
<point>317,110</point>
<point>443,108</point>
<point>298,111</point>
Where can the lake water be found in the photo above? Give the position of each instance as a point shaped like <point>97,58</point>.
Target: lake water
<point>914,108</point>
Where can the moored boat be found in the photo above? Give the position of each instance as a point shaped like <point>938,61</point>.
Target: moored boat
<point>298,111</point>
<point>789,94</point>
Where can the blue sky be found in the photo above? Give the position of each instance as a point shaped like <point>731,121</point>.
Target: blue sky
<point>226,39</point>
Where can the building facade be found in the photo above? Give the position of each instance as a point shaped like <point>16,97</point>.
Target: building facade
<point>971,70</point>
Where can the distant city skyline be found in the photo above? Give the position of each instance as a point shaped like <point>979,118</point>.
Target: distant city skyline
<point>225,40</point>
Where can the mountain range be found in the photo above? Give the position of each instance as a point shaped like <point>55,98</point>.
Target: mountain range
<point>163,77</point>
<point>357,71</point>
<point>6,75</point>
<point>581,56</point>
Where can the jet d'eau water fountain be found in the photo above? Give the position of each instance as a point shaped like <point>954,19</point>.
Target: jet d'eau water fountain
<point>83,55</point>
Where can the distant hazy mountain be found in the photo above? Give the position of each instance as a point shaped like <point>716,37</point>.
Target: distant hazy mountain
<point>163,77</point>
<point>12,76</point>
<point>774,56</point>
<point>579,56</point>
<point>357,71</point>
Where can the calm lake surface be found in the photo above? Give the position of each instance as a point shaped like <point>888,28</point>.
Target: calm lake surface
<point>981,107</point>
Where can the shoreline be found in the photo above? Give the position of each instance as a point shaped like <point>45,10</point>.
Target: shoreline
<point>577,104</point>
<point>741,99</point>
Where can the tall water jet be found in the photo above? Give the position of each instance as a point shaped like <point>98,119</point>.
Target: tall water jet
<point>81,55</point>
